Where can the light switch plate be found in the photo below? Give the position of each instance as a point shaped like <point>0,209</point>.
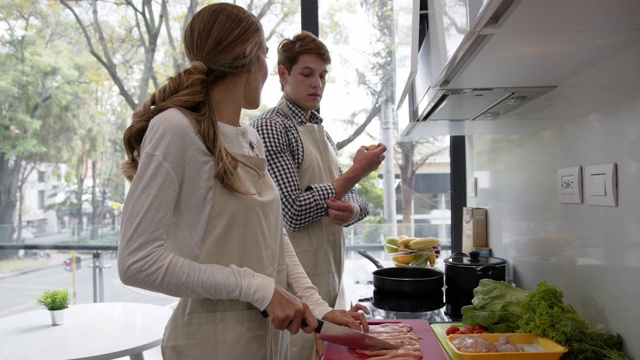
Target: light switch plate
<point>601,184</point>
<point>570,185</point>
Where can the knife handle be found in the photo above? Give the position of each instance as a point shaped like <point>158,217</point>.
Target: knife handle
<point>265,315</point>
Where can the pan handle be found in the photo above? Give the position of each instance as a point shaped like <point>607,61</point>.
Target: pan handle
<point>370,257</point>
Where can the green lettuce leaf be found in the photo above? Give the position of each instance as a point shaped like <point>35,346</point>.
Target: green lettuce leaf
<point>496,305</point>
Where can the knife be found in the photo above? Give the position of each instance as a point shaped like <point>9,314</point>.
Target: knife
<point>347,337</point>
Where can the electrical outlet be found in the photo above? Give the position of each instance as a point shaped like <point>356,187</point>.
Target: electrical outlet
<point>570,185</point>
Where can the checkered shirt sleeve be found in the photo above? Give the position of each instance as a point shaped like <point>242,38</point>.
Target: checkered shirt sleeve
<point>285,152</point>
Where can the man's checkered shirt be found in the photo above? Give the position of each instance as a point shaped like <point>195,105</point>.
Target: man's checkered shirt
<point>285,152</point>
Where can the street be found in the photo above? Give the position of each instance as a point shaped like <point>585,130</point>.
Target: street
<point>19,292</point>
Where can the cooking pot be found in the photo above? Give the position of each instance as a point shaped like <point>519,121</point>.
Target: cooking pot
<point>405,280</point>
<point>464,272</point>
<point>455,300</point>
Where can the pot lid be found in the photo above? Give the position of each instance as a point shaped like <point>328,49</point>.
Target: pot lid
<point>473,260</point>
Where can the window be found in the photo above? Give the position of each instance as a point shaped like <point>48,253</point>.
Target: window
<point>355,36</point>
<point>41,199</point>
<point>362,55</point>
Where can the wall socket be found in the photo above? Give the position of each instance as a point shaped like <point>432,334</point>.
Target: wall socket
<point>570,185</point>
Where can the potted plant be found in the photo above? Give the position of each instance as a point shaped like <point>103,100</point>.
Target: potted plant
<point>56,301</point>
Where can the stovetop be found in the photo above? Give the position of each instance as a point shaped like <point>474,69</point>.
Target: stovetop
<point>401,307</point>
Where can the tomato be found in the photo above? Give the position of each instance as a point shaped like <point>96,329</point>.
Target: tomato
<point>452,330</point>
<point>462,332</point>
<point>479,331</point>
<point>480,327</point>
<point>470,329</point>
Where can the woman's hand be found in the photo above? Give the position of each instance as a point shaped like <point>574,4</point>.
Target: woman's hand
<point>287,312</point>
<point>353,319</point>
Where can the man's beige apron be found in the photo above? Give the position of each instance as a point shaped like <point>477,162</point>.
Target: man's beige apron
<point>320,246</point>
<point>244,230</point>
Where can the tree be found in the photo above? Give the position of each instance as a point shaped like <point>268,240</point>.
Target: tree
<point>134,42</point>
<point>412,155</point>
<point>380,82</point>
<point>41,84</point>
<point>374,79</point>
<point>127,44</point>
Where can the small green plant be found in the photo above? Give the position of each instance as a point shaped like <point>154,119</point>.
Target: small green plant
<point>54,299</point>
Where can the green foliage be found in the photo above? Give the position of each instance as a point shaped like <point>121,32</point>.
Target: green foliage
<point>57,105</point>
<point>504,308</point>
<point>544,313</point>
<point>54,299</point>
<point>372,234</point>
<point>372,192</point>
<point>40,83</point>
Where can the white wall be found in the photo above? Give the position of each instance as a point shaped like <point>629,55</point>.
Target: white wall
<point>31,188</point>
<point>591,253</point>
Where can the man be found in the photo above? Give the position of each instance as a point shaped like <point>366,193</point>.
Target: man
<point>318,199</point>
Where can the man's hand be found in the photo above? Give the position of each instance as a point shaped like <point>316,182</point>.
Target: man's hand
<point>364,162</point>
<point>287,312</point>
<point>340,211</point>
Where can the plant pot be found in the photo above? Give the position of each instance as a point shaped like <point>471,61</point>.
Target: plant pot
<point>57,316</point>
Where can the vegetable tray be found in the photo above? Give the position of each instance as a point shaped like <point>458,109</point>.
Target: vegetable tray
<point>440,329</point>
<point>551,349</point>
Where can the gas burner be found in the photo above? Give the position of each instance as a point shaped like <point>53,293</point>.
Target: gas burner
<point>406,303</point>
<point>385,306</point>
<point>436,316</point>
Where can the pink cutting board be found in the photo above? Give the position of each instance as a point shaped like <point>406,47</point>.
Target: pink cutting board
<point>429,344</point>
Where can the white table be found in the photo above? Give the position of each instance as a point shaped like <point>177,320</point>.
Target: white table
<point>90,331</point>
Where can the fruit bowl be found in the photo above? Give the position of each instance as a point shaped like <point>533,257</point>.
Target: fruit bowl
<point>410,251</point>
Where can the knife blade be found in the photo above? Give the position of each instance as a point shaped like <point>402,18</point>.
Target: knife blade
<point>345,336</point>
<point>350,338</point>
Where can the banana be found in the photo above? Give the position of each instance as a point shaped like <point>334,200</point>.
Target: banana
<point>432,259</point>
<point>423,243</point>
<point>405,241</point>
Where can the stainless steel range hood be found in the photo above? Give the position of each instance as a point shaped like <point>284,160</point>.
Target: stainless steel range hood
<point>480,104</point>
<point>516,55</point>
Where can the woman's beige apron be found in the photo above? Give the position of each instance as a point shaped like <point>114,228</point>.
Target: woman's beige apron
<point>246,231</point>
<point>320,246</point>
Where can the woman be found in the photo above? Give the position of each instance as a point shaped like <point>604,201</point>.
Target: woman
<point>202,219</point>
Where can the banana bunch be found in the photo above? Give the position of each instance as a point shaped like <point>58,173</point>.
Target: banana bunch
<point>412,251</point>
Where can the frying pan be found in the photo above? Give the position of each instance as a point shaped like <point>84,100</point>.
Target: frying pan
<point>405,280</point>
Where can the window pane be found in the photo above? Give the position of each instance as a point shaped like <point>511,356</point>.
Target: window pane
<point>359,43</point>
